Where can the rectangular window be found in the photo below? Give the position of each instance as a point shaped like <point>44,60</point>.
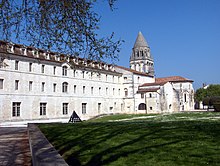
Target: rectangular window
<point>83,74</point>
<point>119,92</point>
<point>142,95</point>
<point>84,108</point>
<point>106,91</point>
<point>65,87</point>
<point>99,107</point>
<point>30,85</point>
<point>64,70</point>
<point>74,88</point>
<point>1,83</point>
<point>42,68</point>
<point>16,65</point>
<point>113,91</point>
<point>92,90</point>
<point>43,108</point>
<point>16,84</point>
<point>30,67</point>
<point>16,108</point>
<point>43,87</point>
<point>54,70</point>
<point>74,73</point>
<point>84,89</point>
<point>65,108</point>
<point>54,87</point>
<point>99,90</point>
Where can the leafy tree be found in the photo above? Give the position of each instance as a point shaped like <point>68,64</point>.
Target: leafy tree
<point>212,90</point>
<point>67,26</point>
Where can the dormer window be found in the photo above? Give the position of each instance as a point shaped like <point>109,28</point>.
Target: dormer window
<point>35,53</point>
<point>47,56</point>
<point>57,58</point>
<point>23,51</point>
<point>9,48</point>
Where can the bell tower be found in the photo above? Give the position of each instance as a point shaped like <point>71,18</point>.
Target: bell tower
<point>141,59</point>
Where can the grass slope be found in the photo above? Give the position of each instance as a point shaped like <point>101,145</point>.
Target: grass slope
<point>174,139</point>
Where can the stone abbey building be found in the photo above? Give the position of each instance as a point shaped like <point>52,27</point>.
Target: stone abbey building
<point>42,85</point>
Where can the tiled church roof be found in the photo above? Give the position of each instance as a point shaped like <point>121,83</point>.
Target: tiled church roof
<point>164,80</point>
<point>173,79</point>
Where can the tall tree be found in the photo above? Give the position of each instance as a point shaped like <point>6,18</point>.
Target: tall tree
<point>67,26</point>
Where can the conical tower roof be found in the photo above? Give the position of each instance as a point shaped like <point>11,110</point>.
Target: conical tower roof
<point>140,41</point>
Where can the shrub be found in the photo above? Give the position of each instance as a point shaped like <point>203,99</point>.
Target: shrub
<point>215,101</point>
<point>206,101</point>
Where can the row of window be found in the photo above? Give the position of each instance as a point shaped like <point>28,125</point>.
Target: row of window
<point>65,71</point>
<point>16,108</point>
<point>64,88</point>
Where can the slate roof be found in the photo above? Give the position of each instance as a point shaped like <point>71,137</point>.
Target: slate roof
<point>140,41</point>
<point>134,71</point>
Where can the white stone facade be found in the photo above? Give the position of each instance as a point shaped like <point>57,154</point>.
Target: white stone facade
<point>41,85</point>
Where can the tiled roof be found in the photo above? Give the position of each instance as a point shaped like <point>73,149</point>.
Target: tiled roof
<point>134,71</point>
<point>164,80</point>
<point>173,79</point>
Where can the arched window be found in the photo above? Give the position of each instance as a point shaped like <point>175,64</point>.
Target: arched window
<point>142,106</point>
<point>126,92</point>
<point>142,53</point>
<point>137,52</point>
<point>65,87</point>
<point>64,70</point>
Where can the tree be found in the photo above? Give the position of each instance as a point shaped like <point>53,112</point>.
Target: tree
<point>67,26</point>
<point>211,91</point>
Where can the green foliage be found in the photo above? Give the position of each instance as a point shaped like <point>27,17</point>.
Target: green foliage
<point>177,139</point>
<point>200,94</point>
<point>67,26</point>
<point>212,90</point>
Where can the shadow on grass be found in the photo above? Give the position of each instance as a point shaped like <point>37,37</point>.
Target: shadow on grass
<point>106,143</point>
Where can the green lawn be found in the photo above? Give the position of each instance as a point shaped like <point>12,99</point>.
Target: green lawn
<point>171,139</point>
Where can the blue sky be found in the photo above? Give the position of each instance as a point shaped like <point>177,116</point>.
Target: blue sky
<point>184,35</point>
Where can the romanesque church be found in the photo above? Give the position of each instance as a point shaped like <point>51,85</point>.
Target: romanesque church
<point>39,85</point>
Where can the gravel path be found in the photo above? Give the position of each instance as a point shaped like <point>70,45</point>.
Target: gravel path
<point>14,147</point>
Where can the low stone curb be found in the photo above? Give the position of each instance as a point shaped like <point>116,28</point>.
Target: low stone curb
<point>42,152</point>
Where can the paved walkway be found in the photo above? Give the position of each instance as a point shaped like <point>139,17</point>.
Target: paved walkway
<point>14,147</point>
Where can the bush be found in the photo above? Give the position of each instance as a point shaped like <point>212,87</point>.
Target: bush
<point>215,101</point>
<point>206,101</point>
